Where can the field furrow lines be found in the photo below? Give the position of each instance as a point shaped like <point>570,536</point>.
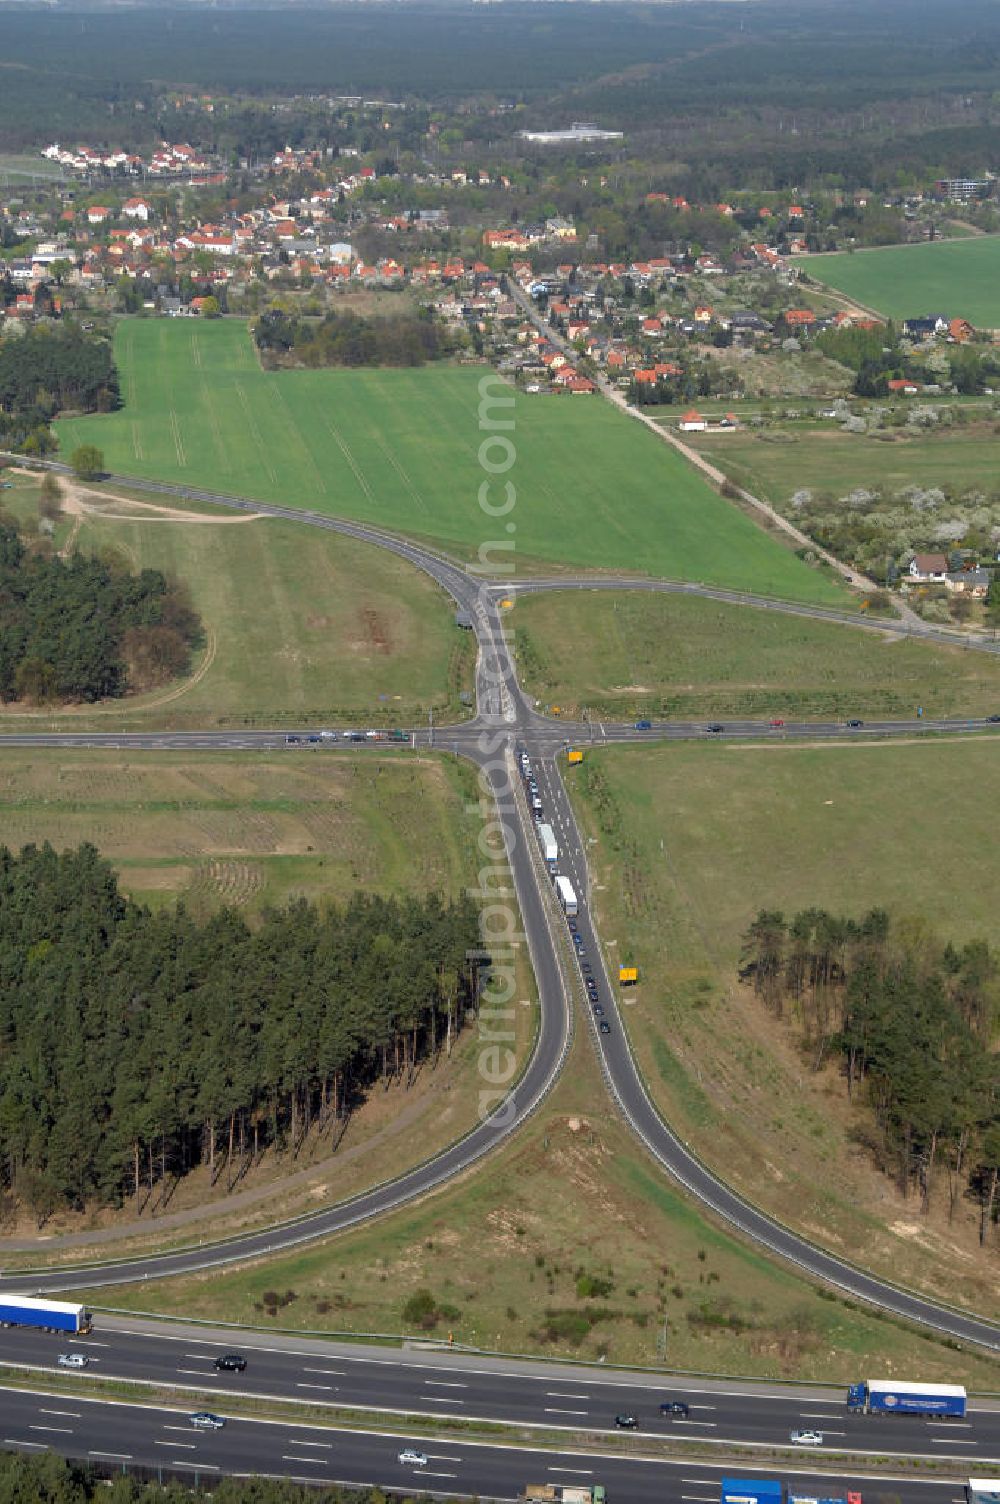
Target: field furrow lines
<point>175,430</point>
<point>222,453</point>
<point>352,462</point>
<point>300,438</point>
<point>255,433</point>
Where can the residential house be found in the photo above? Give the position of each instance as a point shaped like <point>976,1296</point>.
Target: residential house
<point>800,318</point>
<point>902,387</point>
<point>926,568</point>
<point>692,422</point>
<point>137,208</point>
<point>973,582</point>
<point>926,326</point>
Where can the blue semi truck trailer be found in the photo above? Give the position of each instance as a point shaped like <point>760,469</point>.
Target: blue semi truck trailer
<point>890,1397</point>
<point>44,1315</point>
<point>773,1491</point>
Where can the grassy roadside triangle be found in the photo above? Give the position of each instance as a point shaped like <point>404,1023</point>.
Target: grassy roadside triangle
<point>635,654</point>
<point>509,1253</point>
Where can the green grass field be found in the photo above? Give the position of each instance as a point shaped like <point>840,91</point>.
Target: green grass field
<point>960,279</point>
<point>401,449</point>
<point>662,655</point>
<point>828,461</point>
<point>248,828</point>
<point>689,843</point>
<point>300,627</point>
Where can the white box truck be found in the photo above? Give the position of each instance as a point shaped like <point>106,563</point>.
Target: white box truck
<point>566,895</point>
<point>549,845</point>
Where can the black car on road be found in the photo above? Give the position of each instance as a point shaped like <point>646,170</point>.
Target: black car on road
<point>231,1363</point>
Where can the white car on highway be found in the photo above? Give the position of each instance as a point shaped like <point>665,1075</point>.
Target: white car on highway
<point>72,1360</point>
<point>409,1456</point>
<point>807,1438</point>
<point>204,1420</point>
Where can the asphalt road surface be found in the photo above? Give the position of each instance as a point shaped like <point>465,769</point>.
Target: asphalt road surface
<point>464,1387</point>
<point>119,1436</point>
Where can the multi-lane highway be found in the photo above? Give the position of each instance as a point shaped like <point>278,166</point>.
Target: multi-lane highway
<point>119,1436</point>
<point>467,1388</point>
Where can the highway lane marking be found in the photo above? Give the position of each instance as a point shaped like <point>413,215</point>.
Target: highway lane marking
<point>701,1498</point>
<point>553,1394</point>
<point>446,1384</point>
<point>201,1357</point>
<point>337,1372</point>
<point>91,1343</point>
<point>554,1410</point>
<point>118,1456</point>
<point>711,1407</point>
<point>583,1472</point>
<point>187,1446</point>
<point>59,1430</point>
<point>817,1415</point>
<point>73,1414</point>
<point>200,1373</point>
<point>954,1425</point>
<point>15,1441</point>
<point>446,1399</point>
<point>956,1441</point>
<point>301,1384</point>
<point>701,1482</point>
<point>300,1441</point>
<point>202,1467</point>
<point>313,1461</point>
<point>185,1429</point>
<point>440,1457</point>
<point>683,1421</point>
<point>440,1475</point>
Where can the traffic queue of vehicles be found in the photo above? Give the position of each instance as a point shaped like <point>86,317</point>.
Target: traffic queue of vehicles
<point>314,738</point>
<point>564,890</point>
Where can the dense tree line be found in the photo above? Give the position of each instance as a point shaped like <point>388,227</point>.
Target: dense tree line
<point>50,1479</point>
<point>135,1046</point>
<point>44,371</point>
<point>80,629</point>
<point>914,1023</point>
<point>348,339</point>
